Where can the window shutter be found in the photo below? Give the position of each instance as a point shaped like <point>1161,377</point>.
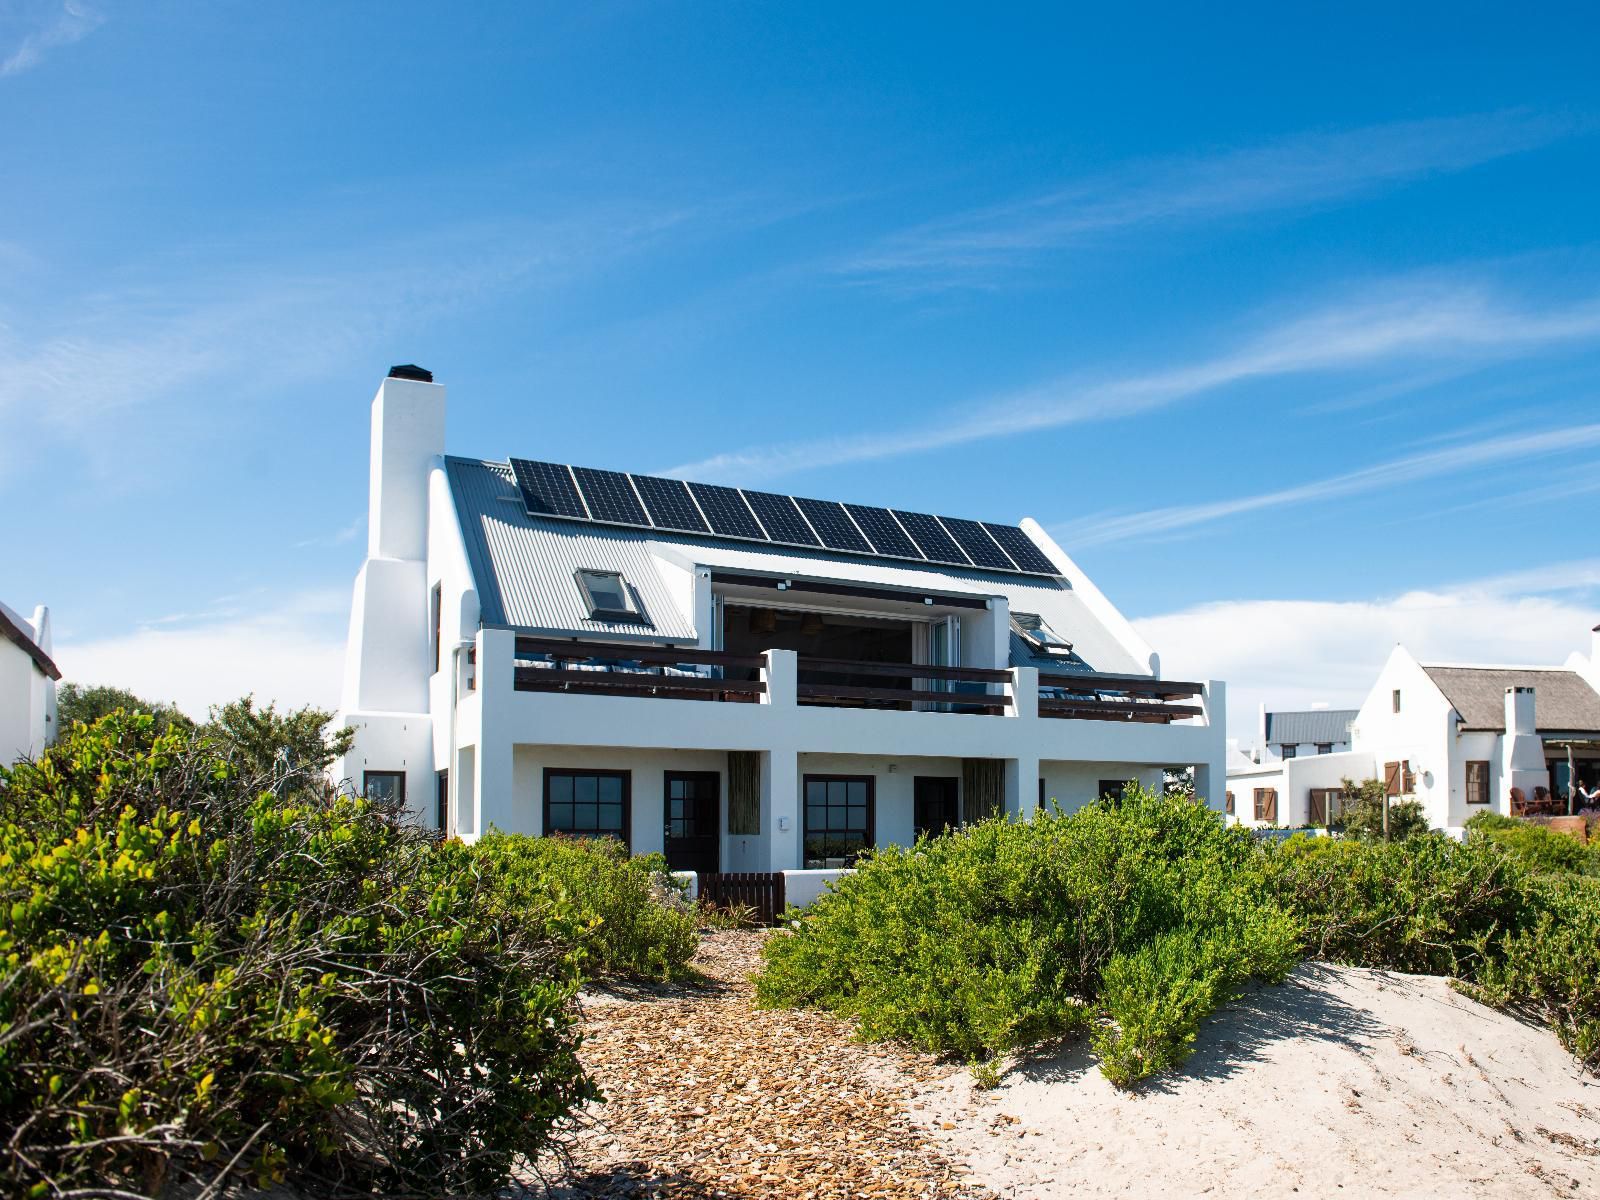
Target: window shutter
<point>1272,805</point>
<point>1391,778</point>
<point>1229,805</point>
<point>1408,780</point>
<point>1319,807</point>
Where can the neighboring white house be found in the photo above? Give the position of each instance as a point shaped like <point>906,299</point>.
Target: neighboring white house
<point>1301,733</point>
<point>742,680</point>
<point>27,685</point>
<point>1459,738</point>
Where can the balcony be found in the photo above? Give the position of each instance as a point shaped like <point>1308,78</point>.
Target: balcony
<point>609,669</point>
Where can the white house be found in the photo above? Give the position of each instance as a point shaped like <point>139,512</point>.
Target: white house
<point>1459,738</point>
<point>1300,733</point>
<point>743,680</point>
<point>28,678</point>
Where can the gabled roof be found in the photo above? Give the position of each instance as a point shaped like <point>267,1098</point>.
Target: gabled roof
<point>523,567</point>
<point>16,630</point>
<point>1314,725</point>
<point>1563,702</point>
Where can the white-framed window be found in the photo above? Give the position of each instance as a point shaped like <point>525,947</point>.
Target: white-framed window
<point>608,595</point>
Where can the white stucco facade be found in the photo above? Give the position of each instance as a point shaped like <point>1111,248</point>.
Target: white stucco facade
<point>28,678</point>
<point>435,683</point>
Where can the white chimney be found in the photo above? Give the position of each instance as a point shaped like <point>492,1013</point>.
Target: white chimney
<point>407,435</point>
<point>1522,752</point>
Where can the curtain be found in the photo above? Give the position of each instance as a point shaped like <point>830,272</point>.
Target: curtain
<point>744,791</point>
<point>983,787</point>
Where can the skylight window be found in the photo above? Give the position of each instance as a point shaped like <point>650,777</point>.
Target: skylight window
<point>608,595</point>
<point>1032,629</point>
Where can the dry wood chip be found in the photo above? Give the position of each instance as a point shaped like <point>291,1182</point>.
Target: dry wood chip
<point>709,1096</point>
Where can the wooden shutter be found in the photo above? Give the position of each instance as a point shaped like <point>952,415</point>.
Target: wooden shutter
<point>1229,805</point>
<point>1408,779</point>
<point>1391,778</point>
<point>1318,814</point>
<point>1272,806</point>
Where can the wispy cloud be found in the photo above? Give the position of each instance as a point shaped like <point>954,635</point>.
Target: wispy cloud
<point>1291,653</point>
<point>339,537</point>
<point>1396,321</point>
<point>40,28</point>
<point>1095,531</point>
<point>971,248</point>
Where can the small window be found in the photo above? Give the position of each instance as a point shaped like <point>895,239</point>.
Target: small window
<point>608,595</point>
<point>1397,700</point>
<point>435,608</point>
<point>587,804</point>
<point>1112,789</point>
<point>1477,782</point>
<point>1031,628</point>
<point>1266,805</point>
<point>441,800</point>
<point>1324,747</point>
<point>1287,751</point>
<point>385,787</point>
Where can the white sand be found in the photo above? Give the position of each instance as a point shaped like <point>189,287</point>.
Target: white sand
<point>1340,1082</point>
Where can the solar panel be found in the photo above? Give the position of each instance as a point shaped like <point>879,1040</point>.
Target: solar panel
<point>978,545</point>
<point>1022,549</point>
<point>935,544</point>
<point>669,502</point>
<point>726,510</point>
<point>835,529</point>
<point>547,488</point>
<point>781,518</point>
<point>610,496</point>
<point>883,531</point>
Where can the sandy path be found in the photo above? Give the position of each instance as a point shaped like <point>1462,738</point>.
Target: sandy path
<point>1341,1082</point>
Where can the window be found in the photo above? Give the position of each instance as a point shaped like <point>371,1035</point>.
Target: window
<point>1477,782</point>
<point>1031,628</point>
<point>1267,805</point>
<point>435,605</point>
<point>1396,699</point>
<point>839,819</point>
<point>1227,806</point>
<point>608,596</point>
<point>1327,804</point>
<point>385,787</point>
<point>934,804</point>
<point>587,803</point>
<point>1324,747</point>
<point>442,804</point>
<point>1287,751</point>
<point>1398,779</point>
<point>1112,789</point>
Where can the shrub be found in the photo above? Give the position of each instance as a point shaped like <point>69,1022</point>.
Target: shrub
<point>208,975</point>
<point>1536,847</point>
<point>1552,964</point>
<point>1140,914</point>
<point>636,920</point>
<point>1427,905</point>
<point>1363,813</point>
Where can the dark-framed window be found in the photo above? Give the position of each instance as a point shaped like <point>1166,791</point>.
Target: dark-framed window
<point>441,800</point>
<point>579,802</point>
<point>1325,805</point>
<point>1288,751</point>
<point>608,595</point>
<point>839,818</point>
<point>386,787</point>
<point>1112,789</point>
<point>1477,782</point>
<point>1324,747</point>
<point>1396,700</point>
<point>936,804</point>
<point>436,610</point>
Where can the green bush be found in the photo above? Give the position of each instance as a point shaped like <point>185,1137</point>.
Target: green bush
<point>1137,915</point>
<point>635,919</point>
<point>1536,847</point>
<point>207,974</point>
<point>1363,813</point>
<point>1552,964</point>
<point>1427,905</point>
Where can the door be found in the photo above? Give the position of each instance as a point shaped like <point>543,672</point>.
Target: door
<point>935,804</point>
<point>692,841</point>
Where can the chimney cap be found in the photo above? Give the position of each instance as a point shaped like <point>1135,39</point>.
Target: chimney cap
<point>411,371</point>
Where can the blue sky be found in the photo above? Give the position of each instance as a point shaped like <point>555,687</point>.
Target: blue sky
<point>1286,323</point>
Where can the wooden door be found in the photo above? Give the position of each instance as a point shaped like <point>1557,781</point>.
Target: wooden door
<point>690,799</point>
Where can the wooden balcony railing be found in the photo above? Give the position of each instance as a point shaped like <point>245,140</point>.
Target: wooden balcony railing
<point>1116,698</point>
<point>815,687</point>
<point>603,669</point>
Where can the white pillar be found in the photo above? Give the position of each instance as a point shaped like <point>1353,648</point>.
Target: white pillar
<point>782,676</point>
<point>780,809</point>
<point>1211,776</point>
<point>1022,788</point>
<point>494,790</point>
<point>1024,692</point>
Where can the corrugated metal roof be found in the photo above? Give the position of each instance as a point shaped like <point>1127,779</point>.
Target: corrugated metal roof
<point>524,565</point>
<point>1562,701</point>
<point>1315,725</point>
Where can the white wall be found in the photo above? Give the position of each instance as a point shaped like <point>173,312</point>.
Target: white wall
<point>27,694</point>
<point>1422,732</point>
<point>1071,785</point>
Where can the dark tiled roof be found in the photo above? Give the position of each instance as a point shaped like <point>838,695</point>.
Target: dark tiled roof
<point>1563,702</point>
<point>13,632</point>
<point>1316,725</point>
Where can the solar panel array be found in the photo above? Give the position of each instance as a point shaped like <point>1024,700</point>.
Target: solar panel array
<point>650,502</point>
